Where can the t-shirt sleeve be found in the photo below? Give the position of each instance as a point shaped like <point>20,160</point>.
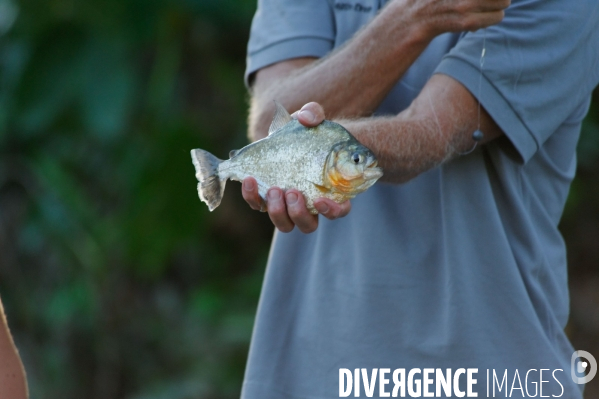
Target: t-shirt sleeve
<point>286,29</point>
<point>540,65</point>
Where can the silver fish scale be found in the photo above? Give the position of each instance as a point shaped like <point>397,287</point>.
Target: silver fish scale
<point>292,157</point>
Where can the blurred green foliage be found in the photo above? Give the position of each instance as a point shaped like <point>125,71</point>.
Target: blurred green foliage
<point>117,281</point>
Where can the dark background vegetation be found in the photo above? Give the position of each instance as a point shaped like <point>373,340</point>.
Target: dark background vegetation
<point>117,281</point>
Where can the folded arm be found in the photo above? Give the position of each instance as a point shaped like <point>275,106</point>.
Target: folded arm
<point>353,80</point>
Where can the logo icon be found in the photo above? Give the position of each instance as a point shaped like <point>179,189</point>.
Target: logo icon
<point>578,367</point>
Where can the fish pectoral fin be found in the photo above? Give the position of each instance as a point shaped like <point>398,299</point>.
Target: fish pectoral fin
<point>280,119</point>
<point>321,188</point>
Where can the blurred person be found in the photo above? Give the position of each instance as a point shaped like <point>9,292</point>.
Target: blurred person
<point>455,260</point>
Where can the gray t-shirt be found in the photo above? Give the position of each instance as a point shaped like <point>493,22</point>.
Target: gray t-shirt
<point>462,267</point>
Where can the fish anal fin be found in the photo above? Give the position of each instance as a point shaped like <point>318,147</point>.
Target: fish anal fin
<point>280,119</point>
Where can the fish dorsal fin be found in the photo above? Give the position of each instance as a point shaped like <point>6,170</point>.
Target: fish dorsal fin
<point>232,153</point>
<point>280,119</point>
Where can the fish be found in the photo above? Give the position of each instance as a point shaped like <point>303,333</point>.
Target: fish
<point>322,161</point>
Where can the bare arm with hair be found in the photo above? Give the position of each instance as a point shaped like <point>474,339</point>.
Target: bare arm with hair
<point>437,127</point>
<point>354,79</point>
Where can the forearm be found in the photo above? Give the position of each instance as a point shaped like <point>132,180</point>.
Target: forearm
<point>405,147</point>
<point>436,127</point>
<point>351,81</point>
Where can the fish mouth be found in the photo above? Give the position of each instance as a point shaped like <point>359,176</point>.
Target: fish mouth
<point>373,173</point>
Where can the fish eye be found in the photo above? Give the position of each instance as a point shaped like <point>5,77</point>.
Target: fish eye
<point>357,158</point>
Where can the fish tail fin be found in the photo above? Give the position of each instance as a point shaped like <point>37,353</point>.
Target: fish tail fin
<point>211,186</point>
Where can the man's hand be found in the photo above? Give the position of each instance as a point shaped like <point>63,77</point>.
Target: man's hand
<point>288,209</point>
<point>436,17</point>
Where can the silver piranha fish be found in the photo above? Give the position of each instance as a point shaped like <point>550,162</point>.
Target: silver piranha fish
<point>323,161</point>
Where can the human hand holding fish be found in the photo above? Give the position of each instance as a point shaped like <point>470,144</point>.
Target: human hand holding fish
<point>288,209</point>
<point>315,168</point>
